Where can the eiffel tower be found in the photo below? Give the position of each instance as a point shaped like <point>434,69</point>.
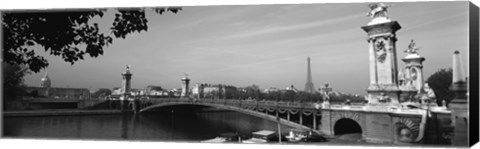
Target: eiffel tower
<point>309,85</point>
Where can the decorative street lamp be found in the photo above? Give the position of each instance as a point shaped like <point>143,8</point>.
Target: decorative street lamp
<point>278,124</point>
<point>317,108</point>
<point>325,91</point>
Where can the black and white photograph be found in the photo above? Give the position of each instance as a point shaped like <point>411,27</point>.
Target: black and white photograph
<point>318,74</point>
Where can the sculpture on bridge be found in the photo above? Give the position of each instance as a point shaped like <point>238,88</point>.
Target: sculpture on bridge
<point>405,80</point>
<point>401,78</point>
<point>412,49</point>
<point>325,91</point>
<point>377,10</point>
<point>429,91</point>
<point>384,98</point>
<point>428,95</point>
<point>405,135</point>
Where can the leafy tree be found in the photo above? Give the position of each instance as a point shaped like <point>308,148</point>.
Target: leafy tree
<point>231,92</point>
<point>301,96</point>
<point>253,91</point>
<point>13,86</point>
<point>287,95</point>
<point>316,97</point>
<point>62,32</point>
<point>440,82</point>
<point>273,95</point>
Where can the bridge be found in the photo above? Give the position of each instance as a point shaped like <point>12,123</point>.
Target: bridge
<point>293,114</point>
<point>387,118</point>
<point>376,123</point>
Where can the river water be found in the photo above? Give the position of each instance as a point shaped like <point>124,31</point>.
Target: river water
<point>156,126</point>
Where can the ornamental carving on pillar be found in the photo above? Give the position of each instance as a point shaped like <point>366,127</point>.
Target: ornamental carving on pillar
<point>380,51</point>
<point>414,74</point>
<point>407,129</point>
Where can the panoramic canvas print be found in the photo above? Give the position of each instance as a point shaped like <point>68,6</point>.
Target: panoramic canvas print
<point>376,74</point>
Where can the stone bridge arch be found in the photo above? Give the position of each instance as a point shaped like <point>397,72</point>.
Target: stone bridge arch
<point>247,111</point>
<point>347,119</point>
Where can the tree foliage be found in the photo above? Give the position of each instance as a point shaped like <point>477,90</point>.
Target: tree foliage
<point>440,82</point>
<point>13,86</point>
<point>60,33</point>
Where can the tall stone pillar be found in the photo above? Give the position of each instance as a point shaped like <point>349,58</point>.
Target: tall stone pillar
<point>414,68</point>
<point>185,88</point>
<point>126,84</point>
<point>382,55</point>
<point>126,77</point>
<point>459,105</point>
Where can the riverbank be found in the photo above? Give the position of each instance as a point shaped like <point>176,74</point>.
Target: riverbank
<point>60,112</point>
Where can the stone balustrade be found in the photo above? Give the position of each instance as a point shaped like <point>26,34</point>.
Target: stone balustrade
<point>234,102</point>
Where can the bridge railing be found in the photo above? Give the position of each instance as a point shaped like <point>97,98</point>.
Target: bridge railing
<point>282,104</point>
<point>238,103</point>
<point>294,104</point>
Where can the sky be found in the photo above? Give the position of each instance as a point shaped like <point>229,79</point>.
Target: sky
<point>266,45</point>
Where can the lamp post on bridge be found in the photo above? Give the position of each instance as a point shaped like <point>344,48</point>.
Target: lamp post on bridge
<point>325,91</point>
<point>317,108</point>
<point>278,123</point>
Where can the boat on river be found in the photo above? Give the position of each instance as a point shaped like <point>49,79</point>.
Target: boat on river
<point>225,138</point>
<point>262,136</point>
<point>296,135</point>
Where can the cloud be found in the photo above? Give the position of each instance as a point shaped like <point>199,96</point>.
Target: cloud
<point>437,20</point>
<point>208,18</point>
<point>269,29</point>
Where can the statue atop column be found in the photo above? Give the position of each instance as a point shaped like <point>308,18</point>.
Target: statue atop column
<point>412,49</point>
<point>127,69</point>
<point>378,11</point>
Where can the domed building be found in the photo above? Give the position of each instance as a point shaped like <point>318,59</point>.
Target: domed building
<point>47,91</point>
<point>45,81</point>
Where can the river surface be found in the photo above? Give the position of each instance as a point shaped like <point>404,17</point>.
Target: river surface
<point>157,126</point>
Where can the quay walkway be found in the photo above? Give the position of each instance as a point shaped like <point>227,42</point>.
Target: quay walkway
<point>60,112</point>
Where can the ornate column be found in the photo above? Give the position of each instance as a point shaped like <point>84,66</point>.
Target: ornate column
<point>413,68</point>
<point>185,91</point>
<point>126,84</point>
<point>126,77</point>
<point>382,54</point>
<point>373,66</point>
<point>459,105</point>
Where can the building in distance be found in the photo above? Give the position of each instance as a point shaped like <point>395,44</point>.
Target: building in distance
<point>47,91</point>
